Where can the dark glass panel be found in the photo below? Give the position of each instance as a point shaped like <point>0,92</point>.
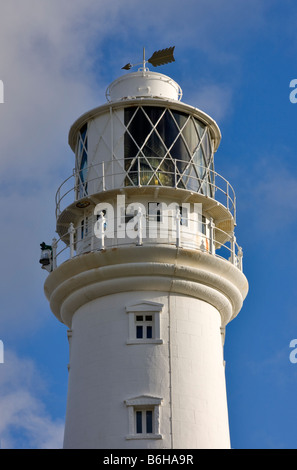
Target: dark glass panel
<point>80,146</point>
<point>83,166</point>
<point>130,149</point>
<point>138,422</point>
<point>167,129</point>
<point>82,229</point>
<point>139,331</point>
<point>180,118</point>
<point>128,114</point>
<point>154,147</point>
<point>180,153</point>
<point>191,136</point>
<point>190,178</point>
<point>149,422</point>
<point>153,113</point>
<point>139,127</point>
<point>83,131</point>
<point>149,332</point>
<point>199,126</point>
<point>207,149</point>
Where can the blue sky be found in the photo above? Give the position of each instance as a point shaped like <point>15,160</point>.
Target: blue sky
<point>235,61</point>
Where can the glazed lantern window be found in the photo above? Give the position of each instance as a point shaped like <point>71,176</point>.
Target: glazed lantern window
<point>168,148</point>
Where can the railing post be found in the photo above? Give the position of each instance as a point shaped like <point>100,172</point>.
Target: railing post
<point>138,171</point>
<point>103,177</point>
<point>71,232</point>
<point>139,226</point>
<point>240,257</point>
<point>232,243</point>
<point>177,219</point>
<point>58,201</point>
<point>92,240</point>
<point>175,176</point>
<point>102,221</point>
<point>54,248</point>
<point>211,238</point>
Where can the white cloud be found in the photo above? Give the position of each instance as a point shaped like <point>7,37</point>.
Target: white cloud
<point>24,421</point>
<point>213,99</point>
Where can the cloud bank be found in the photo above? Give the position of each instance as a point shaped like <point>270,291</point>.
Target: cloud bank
<point>24,421</point>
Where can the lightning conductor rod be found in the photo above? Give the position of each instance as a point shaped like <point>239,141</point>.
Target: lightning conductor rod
<point>143,61</point>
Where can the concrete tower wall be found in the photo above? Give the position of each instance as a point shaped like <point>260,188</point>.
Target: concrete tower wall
<point>183,368</point>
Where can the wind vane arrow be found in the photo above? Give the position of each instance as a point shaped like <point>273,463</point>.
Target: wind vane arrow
<point>161,57</point>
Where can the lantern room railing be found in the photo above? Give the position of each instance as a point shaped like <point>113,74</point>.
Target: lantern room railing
<point>145,171</point>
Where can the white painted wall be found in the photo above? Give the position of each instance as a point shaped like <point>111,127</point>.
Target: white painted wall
<point>186,371</point>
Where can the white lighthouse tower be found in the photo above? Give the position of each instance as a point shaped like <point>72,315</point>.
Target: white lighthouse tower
<point>147,272</point>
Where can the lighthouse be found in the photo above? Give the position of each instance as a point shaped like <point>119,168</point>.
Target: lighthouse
<point>145,270</point>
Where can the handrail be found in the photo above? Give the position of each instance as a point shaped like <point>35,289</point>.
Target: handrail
<point>106,177</point>
<point>205,239</point>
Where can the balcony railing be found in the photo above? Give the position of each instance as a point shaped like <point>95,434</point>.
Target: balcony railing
<point>145,171</point>
<point>180,233</point>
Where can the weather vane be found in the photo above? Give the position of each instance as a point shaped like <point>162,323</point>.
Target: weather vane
<point>164,56</point>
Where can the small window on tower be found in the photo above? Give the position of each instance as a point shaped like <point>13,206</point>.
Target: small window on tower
<point>84,228</point>
<point>202,224</point>
<point>144,421</point>
<point>144,326</point>
<point>144,323</point>
<point>155,211</point>
<point>183,216</point>
<point>144,417</point>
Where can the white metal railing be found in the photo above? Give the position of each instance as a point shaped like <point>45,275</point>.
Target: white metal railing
<point>114,174</point>
<point>207,238</point>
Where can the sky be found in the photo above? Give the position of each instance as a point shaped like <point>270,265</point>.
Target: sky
<point>234,60</point>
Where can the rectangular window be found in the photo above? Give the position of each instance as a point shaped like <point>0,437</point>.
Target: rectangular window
<point>155,211</point>
<point>82,227</point>
<point>144,421</point>
<point>183,216</point>
<point>144,326</point>
<point>202,224</point>
<point>144,417</point>
<point>144,323</point>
